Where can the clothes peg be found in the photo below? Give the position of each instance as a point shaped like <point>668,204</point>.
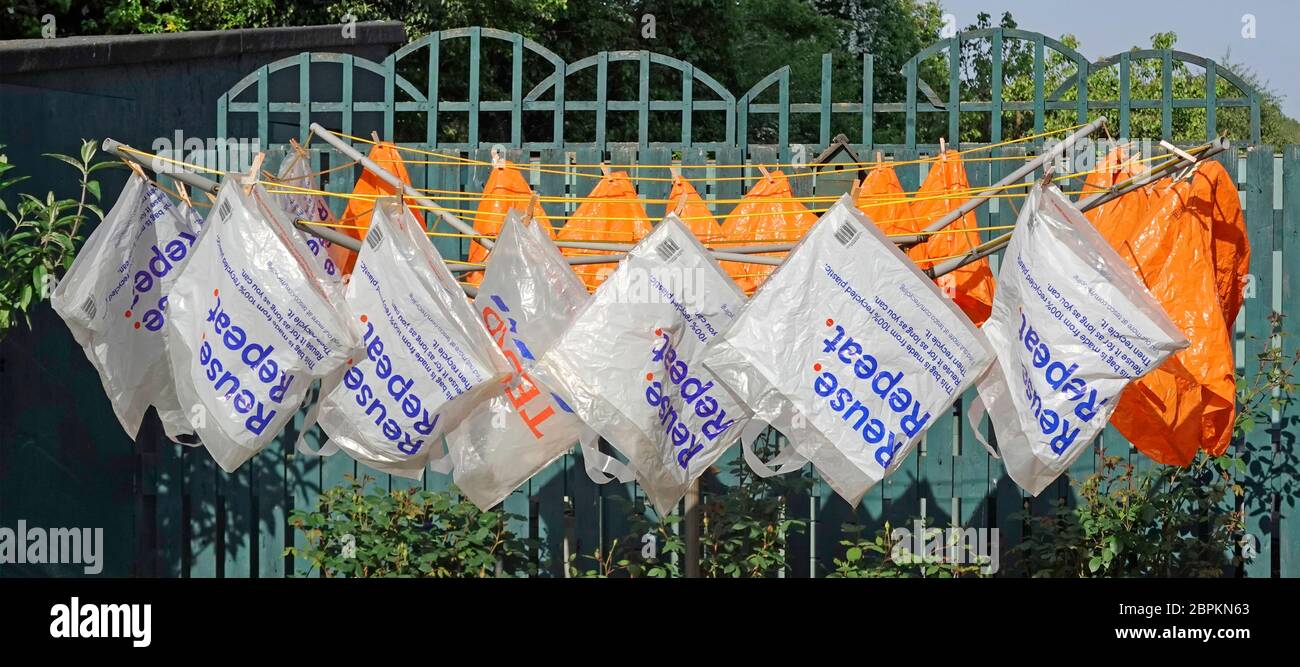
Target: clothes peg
<point>184,194</point>
<point>497,162</point>
<point>680,208</point>
<point>374,136</point>
<point>675,171</point>
<point>533,202</point>
<point>1047,175</point>
<point>250,179</point>
<point>853,190</point>
<point>1187,157</point>
<point>604,169</point>
<point>943,146</point>
<point>763,170</point>
<point>135,166</point>
<point>880,159</point>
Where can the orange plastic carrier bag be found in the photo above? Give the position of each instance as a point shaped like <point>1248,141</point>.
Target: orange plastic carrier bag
<point>369,186</point>
<point>882,198</point>
<point>612,214</point>
<point>971,286</point>
<point>695,213</point>
<point>506,189</point>
<point>1214,198</point>
<point>1166,232</point>
<point>767,214</point>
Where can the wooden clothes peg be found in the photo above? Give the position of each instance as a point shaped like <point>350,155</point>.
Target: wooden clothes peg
<point>135,167</point>
<point>533,202</point>
<point>943,146</point>
<point>184,194</point>
<point>674,171</point>
<point>604,169</point>
<point>763,170</point>
<point>680,208</point>
<point>854,189</point>
<point>1047,175</point>
<point>250,179</point>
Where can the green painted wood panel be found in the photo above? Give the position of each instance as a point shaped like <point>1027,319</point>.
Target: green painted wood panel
<point>1257,448</point>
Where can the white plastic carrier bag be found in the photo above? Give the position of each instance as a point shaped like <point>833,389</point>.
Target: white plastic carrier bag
<point>427,361</point>
<point>114,298</point>
<point>849,351</point>
<point>629,366</point>
<point>1072,325</point>
<point>299,203</point>
<point>528,296</point>
<point>251,327</point>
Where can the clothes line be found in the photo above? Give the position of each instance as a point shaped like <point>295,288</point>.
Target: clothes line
<point>204,184</point>
<point>1178,163</point>
<point>738,254</point>
<point>448,159</point>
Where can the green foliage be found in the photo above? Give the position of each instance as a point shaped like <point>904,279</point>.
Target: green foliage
<point>355,532</point>
<point>1272,386</point>
<point>887,556</point>
<point>745,530</point>
<point>43,237</point>
<point>1168,522</point>
<point>738,43</point>
<point>1146,83</point>
<point>651,548</point>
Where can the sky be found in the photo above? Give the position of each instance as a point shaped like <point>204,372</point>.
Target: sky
<point>1206,28</point>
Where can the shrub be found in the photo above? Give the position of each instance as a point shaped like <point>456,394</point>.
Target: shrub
<point>886,556</point>
<point>44,236</point>
<point>1167,522</point>
<point>411,533</point>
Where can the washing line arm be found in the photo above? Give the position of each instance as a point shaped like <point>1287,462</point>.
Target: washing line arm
<point>398,184</point>
<point>204,184</point>
<point>1010,179</point>
<point>125,152</point>
<point>991,246</point>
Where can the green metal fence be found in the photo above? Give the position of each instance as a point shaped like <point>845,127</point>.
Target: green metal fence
<point>428,95</point>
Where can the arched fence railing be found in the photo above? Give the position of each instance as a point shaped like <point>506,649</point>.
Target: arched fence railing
<point>1058,77</point>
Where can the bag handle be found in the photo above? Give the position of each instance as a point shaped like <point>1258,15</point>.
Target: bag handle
<point>601,467</point>
<point>787,461</point>
<point>327,385</point>
<point>975,414</point>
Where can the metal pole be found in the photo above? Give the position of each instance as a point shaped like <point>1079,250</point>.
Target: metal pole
<point>692,527</point>
<point>114,147</point>
<point>993,245</point>
<point>1015,176</point>
<point>407,191</point>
